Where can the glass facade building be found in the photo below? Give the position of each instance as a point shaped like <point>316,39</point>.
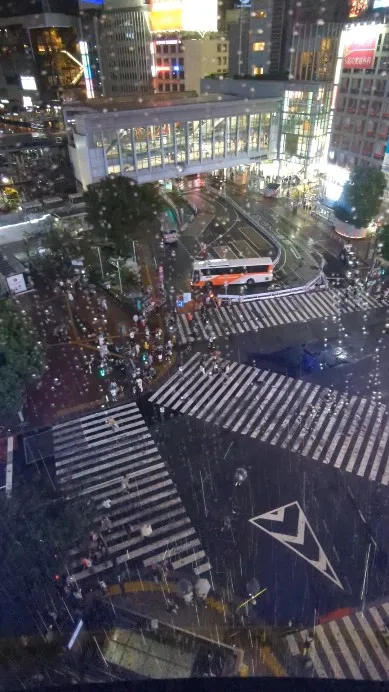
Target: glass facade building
<point>305,126</point>
<point>163,142</point>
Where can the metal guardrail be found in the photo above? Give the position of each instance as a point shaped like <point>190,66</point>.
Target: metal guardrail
<point>310,286</point>
<point>258,224</point>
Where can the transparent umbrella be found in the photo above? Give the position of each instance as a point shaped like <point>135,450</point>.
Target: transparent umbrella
<point>202,588</point>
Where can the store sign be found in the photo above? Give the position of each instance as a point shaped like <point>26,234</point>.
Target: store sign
<point>184,15</point>
<point>16,283</point>
<point>360,47</point>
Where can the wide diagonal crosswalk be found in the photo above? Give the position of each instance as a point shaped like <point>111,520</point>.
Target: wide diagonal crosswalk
<point>272,312</point>
<point>125,467</point>
<point>348,432</point>
<point>352,647</point>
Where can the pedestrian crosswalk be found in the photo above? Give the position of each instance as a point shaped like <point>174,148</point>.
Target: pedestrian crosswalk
<point>124,466</point>
<point>348,432</point>
<point>352,647</point>
<point>240,317</point>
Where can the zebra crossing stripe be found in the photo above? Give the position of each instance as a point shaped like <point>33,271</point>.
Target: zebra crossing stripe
<point>316,422</point>
<point>348,647</point>
<point>244,316</point>
<point>96,466</point>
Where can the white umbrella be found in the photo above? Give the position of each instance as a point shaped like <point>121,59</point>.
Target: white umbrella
<point>146,530</point>
<point>203,588</point>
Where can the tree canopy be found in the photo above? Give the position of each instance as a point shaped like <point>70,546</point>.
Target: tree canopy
<point>21,356</point>
<point>38,528</point>
<point>384,239</point>
<point>120,211</point>
<point>362,196</point>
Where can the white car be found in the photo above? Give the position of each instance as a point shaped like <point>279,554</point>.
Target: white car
<point>170,236</point>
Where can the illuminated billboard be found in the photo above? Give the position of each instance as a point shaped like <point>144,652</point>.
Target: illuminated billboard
<point>380,4</point>
<point>184,15</point>
<point>357,7</point>
<point>359,49</point>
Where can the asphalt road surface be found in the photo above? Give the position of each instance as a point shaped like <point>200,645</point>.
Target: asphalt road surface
<point>309,523</point>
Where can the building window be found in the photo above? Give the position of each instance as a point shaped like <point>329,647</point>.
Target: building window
<point>159,61</point>
<point>174,87</point>
<point>166,61</point>
<point>167,87</point>
<point>256,71</point>
<point>225,60</point>
<point>219,61</point>
<point>259,14</point>
<point>166,49</point>
<point>173,49</point>
<point>258,45</point>
<point>158,48</point>
<point>181,62</point>
<point>182,87</point>
<point>219,47</point>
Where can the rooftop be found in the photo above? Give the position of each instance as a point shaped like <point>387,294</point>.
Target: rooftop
<point>148,100</point>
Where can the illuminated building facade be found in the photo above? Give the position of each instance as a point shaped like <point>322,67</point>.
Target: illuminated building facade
<point>361,97</point>
<point>184,15</point>
<point>167,137</point>
<point>181,63</point>
<point>42,45</point>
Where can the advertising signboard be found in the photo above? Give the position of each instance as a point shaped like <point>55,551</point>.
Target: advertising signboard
<point>16,283</point>
<point>360,46</point>
<point>380,4</point>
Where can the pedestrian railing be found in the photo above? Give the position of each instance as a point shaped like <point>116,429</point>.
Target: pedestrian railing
<point>318,282</point>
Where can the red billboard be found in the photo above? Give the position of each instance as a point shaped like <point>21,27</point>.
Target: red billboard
<point>359,50</point>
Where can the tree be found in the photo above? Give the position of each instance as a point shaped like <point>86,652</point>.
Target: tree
<point>61,245</point>
<point>38,528</point>
<point>362,196</point>
<point>120,211</point>
<point>383,237</point>
<point>21,356</point>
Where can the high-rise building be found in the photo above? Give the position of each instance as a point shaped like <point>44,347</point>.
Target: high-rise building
<point>117,48</point>
<point>237,24</point>
<point>39,59</point>
<point>182,62</point>
<point>272,23</point>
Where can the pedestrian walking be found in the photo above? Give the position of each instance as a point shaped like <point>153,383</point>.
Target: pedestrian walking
<point>106,524</point>
<point>136,319</point>
<point>103,305</point>
<point>171,607</point>
<point>86,563</point>
<point>147,332</point>
<point>113,423</point>
<point>107,504</point>
<point>180,370</point>
<point>103,586</point>
<point>139,384</point>
<point>151,359</point>
<point>137,349</point>
<point>202,369</point>
<point>70,296</point>
<point>146,345</point>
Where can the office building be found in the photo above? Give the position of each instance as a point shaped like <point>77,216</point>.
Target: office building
<point>182,62</point>
<point>166,136</point>
<point>117,48</point>
<point>39,59</point>
<point>361,98</point>
<point>237,27</point>
<point>272,23</point>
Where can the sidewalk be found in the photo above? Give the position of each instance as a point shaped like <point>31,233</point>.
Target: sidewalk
<point>212,620</point>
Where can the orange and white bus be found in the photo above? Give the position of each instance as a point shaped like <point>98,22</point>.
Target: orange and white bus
<point>220,272</point>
